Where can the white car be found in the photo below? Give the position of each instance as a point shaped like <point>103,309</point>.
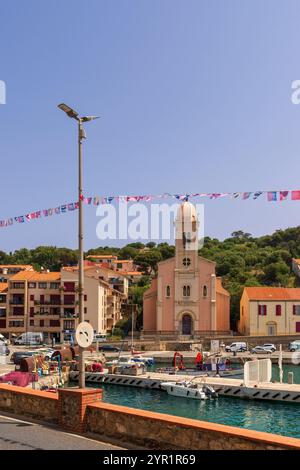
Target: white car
<point>236,347</point>
<point>269,346</point>
<point>261,350</point>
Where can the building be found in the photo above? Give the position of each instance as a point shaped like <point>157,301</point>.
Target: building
<point>186,298</point>
<point>9,270</point>
<point>108,260</point>
<point>3,304</point>
<point>269,311</point>
<point>48,301</point>
<point>104,294</point>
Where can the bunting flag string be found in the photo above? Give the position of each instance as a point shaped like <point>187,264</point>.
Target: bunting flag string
<point>271,196</point>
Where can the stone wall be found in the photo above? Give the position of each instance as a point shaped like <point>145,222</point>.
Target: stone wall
<point>160,431</point>
<point>29,403</point>
<point>81,410</point>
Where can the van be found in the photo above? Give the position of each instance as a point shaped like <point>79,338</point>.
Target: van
<point>30,338</point>
<point>236,347</point>
<point>294,346</point>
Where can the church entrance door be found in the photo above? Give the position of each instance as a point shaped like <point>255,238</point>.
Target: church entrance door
<point>186,324</point>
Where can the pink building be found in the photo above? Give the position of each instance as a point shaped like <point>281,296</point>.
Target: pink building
<point>186,298</point>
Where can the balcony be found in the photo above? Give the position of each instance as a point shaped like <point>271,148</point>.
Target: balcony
<point>69,315</point>
<point>47,302</point>
<point>16,302</point>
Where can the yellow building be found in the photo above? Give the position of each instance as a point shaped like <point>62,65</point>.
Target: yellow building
<point>269,311</point>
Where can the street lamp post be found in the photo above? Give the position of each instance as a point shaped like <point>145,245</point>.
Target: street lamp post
<point>81,135</point>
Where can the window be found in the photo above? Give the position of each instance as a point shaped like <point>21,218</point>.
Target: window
<point>85,310</point>
<point>69,286</point>
<point>32,297</point>
<point>85,297</point>
<point>296,309</point>
<point>186,291</point>
<point>31,285</point>
<point>186,262</point>
<point>262,310</point>
<point>18,285</point>
<point>54,285</point>
<point>31,322</point>
<point>278,310</point>
<point>42,285</point>
<point>204,291</point>
<point>168,291</point>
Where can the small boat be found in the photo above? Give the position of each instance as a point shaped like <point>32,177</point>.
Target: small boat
<point>124,360</point>
<point>148,361</point>
<point>189,390</point>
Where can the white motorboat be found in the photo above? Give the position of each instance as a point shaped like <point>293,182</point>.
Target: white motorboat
<point>189,390</point>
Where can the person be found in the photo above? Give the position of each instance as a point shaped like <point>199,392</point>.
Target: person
<point>53,341</point>
<point>199,360</point>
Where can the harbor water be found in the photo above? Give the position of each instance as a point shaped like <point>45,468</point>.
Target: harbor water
<point>272,417</point>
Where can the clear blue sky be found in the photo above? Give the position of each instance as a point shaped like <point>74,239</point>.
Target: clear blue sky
<point>195,96</point>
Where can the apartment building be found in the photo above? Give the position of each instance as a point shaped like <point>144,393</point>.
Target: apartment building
<point>48,301</point>
<point>105,294</point>
<point>9,270</point>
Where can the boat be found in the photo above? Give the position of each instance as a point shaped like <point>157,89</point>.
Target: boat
<point>128,360</point>
<point>214,367</point>
<point>186,389</point>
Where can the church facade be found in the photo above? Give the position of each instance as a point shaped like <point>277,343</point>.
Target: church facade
<point>186,298</point>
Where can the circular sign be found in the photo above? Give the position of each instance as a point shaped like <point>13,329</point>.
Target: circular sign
<point>84,334</point>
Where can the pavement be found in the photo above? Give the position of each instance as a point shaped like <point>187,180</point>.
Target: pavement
<point>23,435</point>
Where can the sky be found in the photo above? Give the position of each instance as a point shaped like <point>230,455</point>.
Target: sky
<point>193,96</point>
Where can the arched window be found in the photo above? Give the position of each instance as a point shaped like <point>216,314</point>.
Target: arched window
<point>168,291</point>
<point>204,291</point>
<point>186,291</point>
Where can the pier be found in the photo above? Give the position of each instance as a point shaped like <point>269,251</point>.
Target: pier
<point>280,392</point>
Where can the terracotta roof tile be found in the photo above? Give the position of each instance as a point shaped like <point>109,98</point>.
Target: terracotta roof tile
<point>35,276</point>
<point>272,293</point>
<point>3,286</point>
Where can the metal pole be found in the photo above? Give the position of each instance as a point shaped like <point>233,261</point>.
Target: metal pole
<point>80,247</point>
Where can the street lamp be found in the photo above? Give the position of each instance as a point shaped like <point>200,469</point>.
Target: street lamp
<point>81,135</point>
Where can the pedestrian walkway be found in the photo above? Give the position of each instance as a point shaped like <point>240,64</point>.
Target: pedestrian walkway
<point>22,435</point>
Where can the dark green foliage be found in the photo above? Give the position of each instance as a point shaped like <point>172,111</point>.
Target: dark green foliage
<point>241,260</point>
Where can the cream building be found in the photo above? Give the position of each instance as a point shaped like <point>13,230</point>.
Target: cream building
<point>269,311</point>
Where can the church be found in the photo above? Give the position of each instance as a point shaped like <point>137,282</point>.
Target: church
<point>186,299</point>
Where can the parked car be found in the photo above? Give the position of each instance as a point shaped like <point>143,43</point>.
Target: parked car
<point>18,355</point>
<point>99,338</point>
<point>108,348</point>
<point>261,350</point>
<point>4,351</point>
<point>4,340</point>
<point>269,346</point>
<point>236,347</point>
<point>294,346</point>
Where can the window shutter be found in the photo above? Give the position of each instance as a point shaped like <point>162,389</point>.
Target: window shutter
<point>278,310</point>
<point>294,309</point>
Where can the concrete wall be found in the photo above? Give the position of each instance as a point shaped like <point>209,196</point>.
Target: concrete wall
<point>160,431</point>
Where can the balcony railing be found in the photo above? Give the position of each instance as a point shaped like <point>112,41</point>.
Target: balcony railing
<point>47,302</point>
<point>69,315</point>
<point>16,302</point>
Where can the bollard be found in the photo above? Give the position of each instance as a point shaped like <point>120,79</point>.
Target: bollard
<point>290,378</point>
